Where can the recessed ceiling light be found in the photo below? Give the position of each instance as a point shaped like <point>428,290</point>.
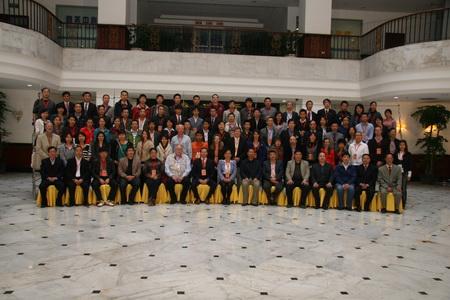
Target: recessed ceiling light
<point>284,101</point>
<point>29,85</point>
<point>395,97</point>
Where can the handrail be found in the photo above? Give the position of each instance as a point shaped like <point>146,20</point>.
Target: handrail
<point>405,16</point>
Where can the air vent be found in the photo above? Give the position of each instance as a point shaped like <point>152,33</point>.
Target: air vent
<point>428,98</point>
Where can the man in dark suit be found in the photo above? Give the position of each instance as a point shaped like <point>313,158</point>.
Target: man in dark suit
<point>78,173</point>
<point>122,104</point>
<point>52,172</point>
<point>104,172</point>
<point>272,177</point>
<point>160,118</point>
<point>257,121</point>
<point>238,146</point>
<point>178,117</point>
<point>366,178</point>
<point>89,109</point>
<point>288,132</point>
<point>327,112</point>
<point>213,119</point>
<point>78,115</point>
<point>207,132</point>
<point>203,172</point>
<point>310,115</point>
<point>66,104</point>
<point>290,150</point>
<point>322,177</point>
<point>290,113</point>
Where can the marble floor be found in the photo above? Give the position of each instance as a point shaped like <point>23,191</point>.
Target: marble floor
<point>217,252</point>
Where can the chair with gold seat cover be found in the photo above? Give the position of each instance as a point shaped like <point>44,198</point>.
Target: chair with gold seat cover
<point>203,190</point>
<point>104,191</point>
<point>373,204</point>
<point>218,198</point>
<point>79,197</point>
<point>162,196</point>
<point>178,189</point>
<point>52,193</point>
<point>234,197</point>
<point>390,203</point>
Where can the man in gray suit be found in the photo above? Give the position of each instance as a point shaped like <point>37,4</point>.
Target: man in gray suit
<point>334,136</point>
<point>129,171</point>
<point>297,175</point>
<point>390,181</point>
<point>268,133</point>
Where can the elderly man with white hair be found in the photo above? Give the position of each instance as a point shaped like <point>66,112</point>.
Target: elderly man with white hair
<point>178,168</point>
<point>182,139</point>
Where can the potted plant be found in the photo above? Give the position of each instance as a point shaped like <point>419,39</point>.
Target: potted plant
<point>434,119</point>
<point>4,110</point>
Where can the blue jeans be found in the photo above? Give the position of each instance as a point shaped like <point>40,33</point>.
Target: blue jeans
<point>350,194</point>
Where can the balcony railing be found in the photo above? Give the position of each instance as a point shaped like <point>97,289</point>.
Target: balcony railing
<point>432,25</point>
<point>425,26</point>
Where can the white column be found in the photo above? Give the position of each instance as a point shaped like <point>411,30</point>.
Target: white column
<point>113,12</point>
<point>132,11</point>
<point>315,16</point>
<point>292,15</point>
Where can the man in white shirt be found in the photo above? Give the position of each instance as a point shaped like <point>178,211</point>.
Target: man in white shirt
<point>183,140</point>
<point>232,109</point>
<point>77,173</point>
<point>357,149</point>
<point>178,168</point>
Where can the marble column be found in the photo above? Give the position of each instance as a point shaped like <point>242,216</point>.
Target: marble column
<point>315,16</point>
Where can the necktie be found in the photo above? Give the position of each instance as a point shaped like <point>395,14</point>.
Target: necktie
<point>309,115</point>
<point>67,107</point>
<point>85,107</point>
<point>389,170</point>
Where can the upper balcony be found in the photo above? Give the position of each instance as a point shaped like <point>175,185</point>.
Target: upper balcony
<point>432,25</point>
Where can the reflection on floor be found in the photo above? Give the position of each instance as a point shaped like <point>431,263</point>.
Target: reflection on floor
<point>217,252</point>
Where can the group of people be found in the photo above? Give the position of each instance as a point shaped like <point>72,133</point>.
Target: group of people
<point>82,144</point>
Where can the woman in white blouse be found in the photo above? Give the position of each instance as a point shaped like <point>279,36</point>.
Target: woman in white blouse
<point>143,147</point>
<point>164,149</point>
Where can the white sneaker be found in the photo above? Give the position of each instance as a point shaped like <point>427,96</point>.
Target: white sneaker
<point>100,204</point>
<point>110,203</point>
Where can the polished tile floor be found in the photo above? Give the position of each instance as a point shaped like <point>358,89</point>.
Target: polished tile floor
<point>217,252</point>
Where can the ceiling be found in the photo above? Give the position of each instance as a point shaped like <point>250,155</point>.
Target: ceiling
<point>375,5</point>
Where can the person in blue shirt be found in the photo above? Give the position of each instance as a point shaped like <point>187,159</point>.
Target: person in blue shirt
<point>345,178</point>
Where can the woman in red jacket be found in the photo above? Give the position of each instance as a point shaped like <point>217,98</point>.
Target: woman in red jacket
<point>329,152</point>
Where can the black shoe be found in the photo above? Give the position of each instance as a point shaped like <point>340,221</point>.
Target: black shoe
<point>383,210</point>
<point>244,204</point>
<point>350,209</point>
<point>325,208</point>
<point>289,205</point>
<point>302,206</point>
<point>358,209</point>
<point>183,201</point>
<point>130,203</point>
<point>340,208</point>
<point>317,207</point>
<point>207,201</point>
<point>397,211</point>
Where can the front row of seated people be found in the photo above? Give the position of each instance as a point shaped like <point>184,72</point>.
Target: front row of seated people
<point>178,169</point>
